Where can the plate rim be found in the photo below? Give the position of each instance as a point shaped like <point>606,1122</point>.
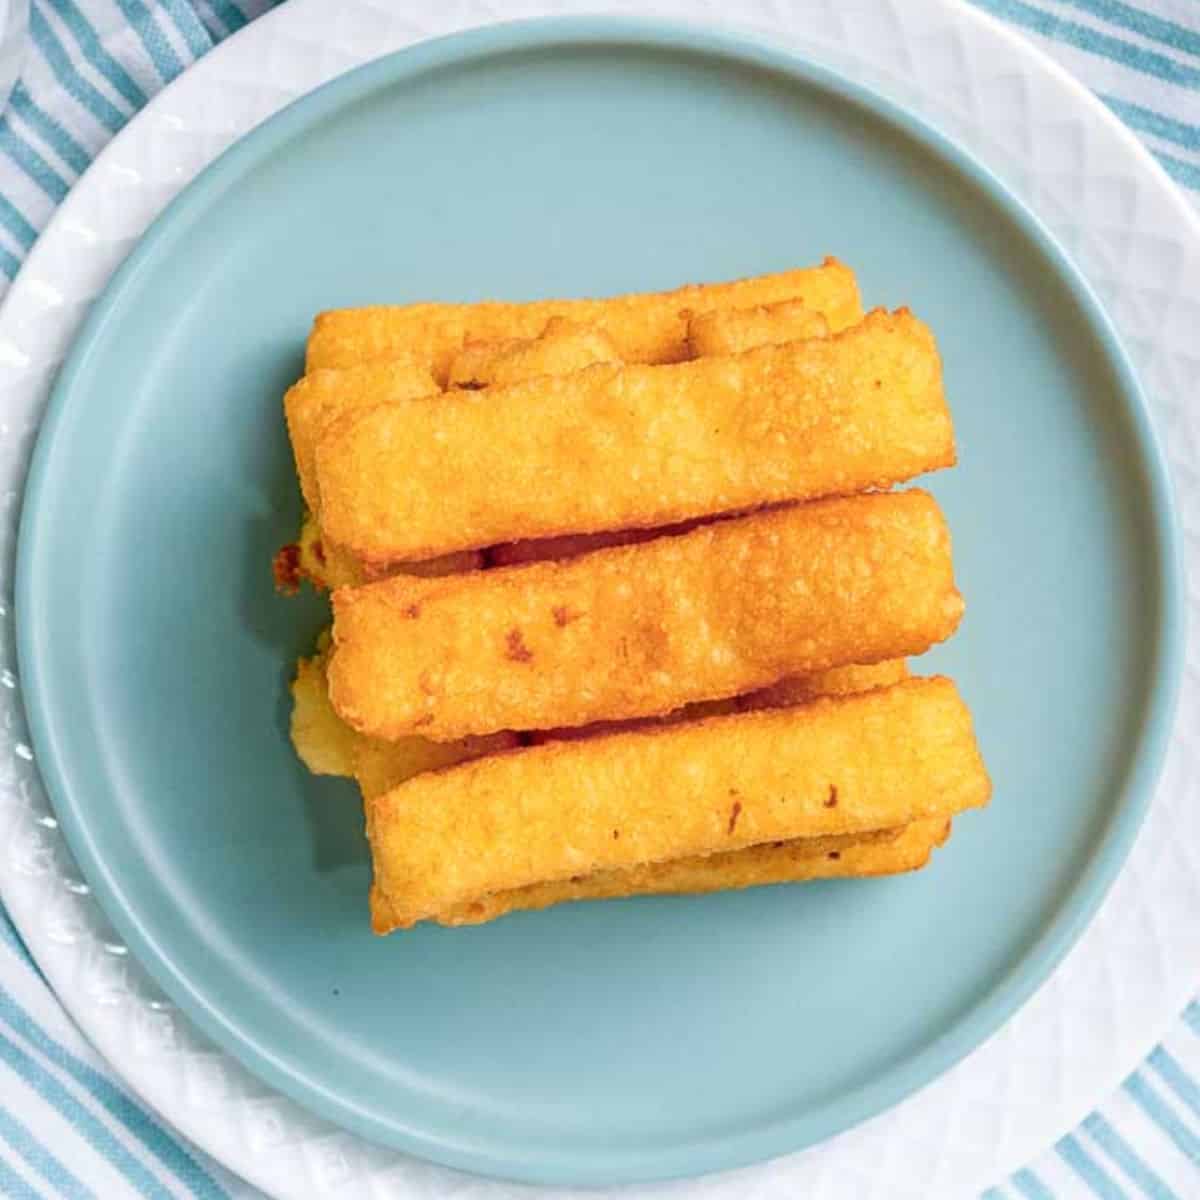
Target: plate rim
<point>1143,764</point>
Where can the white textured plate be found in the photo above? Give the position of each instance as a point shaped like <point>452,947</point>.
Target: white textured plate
<point>1135,239</point>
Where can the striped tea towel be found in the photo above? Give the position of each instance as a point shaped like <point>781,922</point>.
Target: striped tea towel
<point>67,1128</point>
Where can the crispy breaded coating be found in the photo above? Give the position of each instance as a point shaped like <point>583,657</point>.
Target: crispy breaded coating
<point>720,331</point>
<point>328,746</point>
<point>633,447</point>
<point>837,681</point>
<point>562,347</point>
<point>326,565</point>
<point>798,689</point>
<point>884,852</point>
<point>635,631</point>
<point>838,765</point>
<point>736,330</point>
<point>648,327</point>
<point>321,397</point>
<point>379,766</point>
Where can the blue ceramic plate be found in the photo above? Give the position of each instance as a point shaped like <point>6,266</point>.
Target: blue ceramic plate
<point>622,1040</point>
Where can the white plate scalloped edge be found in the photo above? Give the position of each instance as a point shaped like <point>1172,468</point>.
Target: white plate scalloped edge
<point>1137,242</point>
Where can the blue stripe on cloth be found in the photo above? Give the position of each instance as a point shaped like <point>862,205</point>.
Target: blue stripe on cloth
<point>184,18</point>
<point>89,1128</point>
<point>80,28</point>
<point>1030,1186</point>
<point>114,1101</point>
<point>13,1187</point>
<point>1145,24</point>
<point>1088,1169</point>
<point>993,1194</point>
<point>228,14</point>
<point>1182,172</point>
<point>15,222</point>
<point>1191,1015</point>
<point>1124,1155</point>
<point>162,53</point>
<point>8,931</point>
<point>1146,120</point>
<point>42,1160</point>
<point>1152,1104</point>
<point>64,70</point>
<point>32,163</point>
<point>1082,37</point>
<point>215,29</point>
<point>49,130</point>
<point>10,264</point>
<point>1176,1078</point>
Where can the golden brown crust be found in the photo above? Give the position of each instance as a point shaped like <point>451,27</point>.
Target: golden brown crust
<point>644,327</point>
<point>328,746</point>
<point>883,852</point>
<point>326,565</point>
<point>637,447</point>
<point>884,758</point>
<point>736,330</point>
<point>319,399</point>
<point>837,681</point>
<point>641,630</point>
<point>562,347</point>
<point>380,766</point>
<point>798,689</point>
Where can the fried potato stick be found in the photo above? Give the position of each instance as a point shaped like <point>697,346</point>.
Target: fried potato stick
<point>636,631</point>
<point>839,765</point>
<point>310,407</point>
<point>719,331</point>
<point>736,330</point>
<point>837,681</point>
<point>317,400</point>
<point>562,347</point>
<point>775,862</point>
<point>799,689</point>
<point>323,396</point>
<point>327,565</point>
<point>328,746</point>
<point>646,327</point>
<point>632,447</point>
<point>884,852</point>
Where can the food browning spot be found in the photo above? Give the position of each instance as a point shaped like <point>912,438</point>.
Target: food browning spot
<point>879,383</point>
<point>563,615</point>
<point>832,801</point>
<point>616,835</point>
<point>319,550</point>
<point>835,854</point>
<point>734,813</point>
<point>285,566</point>
<point>413,611</point>
<point>517,650</point>
<point>427,719</point>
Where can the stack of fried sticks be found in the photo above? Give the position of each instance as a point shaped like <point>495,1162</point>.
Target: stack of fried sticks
<point>621,601</point>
